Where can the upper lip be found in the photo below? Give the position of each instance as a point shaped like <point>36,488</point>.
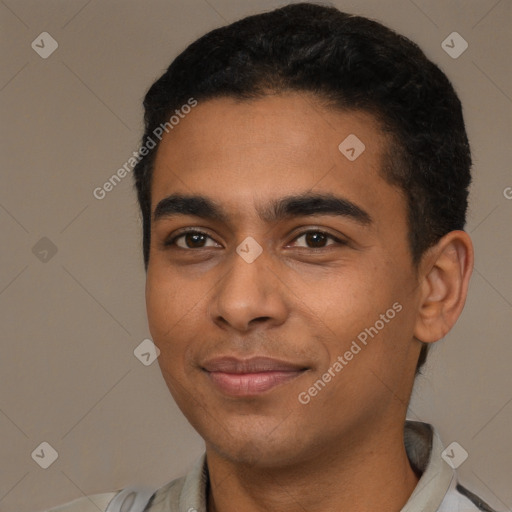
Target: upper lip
<point>250,365</point>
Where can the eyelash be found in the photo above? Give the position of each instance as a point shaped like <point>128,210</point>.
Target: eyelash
<point>171,242</point>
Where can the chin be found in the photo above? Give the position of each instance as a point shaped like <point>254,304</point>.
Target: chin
<point>254,444</point>
<point>257,453</point>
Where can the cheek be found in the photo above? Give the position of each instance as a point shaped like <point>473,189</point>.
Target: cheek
<point>163,319</point>
<point>159,306</point>
<point>351,298</point>
<point>166,304</point>
<point>364,306</point>
<point>175,312</point>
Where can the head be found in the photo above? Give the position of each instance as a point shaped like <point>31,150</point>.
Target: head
<point>260,108</point>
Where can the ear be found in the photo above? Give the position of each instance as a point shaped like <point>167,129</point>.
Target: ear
<point>444,276</point>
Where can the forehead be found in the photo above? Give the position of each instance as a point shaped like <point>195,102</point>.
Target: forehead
<point>243,152</point>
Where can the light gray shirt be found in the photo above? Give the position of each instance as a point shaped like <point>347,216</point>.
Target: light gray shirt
<point>437,489</point>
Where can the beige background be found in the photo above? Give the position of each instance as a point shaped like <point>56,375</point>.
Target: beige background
<point>70,325</point>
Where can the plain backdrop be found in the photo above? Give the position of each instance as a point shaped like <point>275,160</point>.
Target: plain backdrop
<point>72,306</point>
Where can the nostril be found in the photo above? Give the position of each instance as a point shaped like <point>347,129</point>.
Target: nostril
<point>259,320</point>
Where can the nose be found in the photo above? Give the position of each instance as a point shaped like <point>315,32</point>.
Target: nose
<point>249,295</point>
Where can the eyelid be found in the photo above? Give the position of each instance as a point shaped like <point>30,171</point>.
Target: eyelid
<point>170,241</point>
<point>338,240</point>
<point>184,231</point>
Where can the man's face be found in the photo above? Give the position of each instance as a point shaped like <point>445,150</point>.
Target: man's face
<point>244,336</point>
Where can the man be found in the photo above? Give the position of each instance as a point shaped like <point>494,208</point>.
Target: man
<point>303,182</point>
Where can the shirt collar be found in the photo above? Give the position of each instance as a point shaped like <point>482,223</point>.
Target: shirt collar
<point>423,446</point>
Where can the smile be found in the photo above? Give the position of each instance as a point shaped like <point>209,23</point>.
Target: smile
<point>250,377</point>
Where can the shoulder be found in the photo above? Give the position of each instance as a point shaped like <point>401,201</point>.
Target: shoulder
<point>134,499</point>
<point>91,503</point>
<point>438,488</point>
<point>188,490</point>
<point>460,499</point>
<point>168,497</point>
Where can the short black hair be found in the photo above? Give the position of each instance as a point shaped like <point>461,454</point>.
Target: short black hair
<point>350,63</point>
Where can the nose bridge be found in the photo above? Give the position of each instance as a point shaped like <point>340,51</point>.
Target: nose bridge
<point>249,290</point>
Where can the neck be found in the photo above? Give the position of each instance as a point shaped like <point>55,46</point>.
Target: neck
<point>365,472</point>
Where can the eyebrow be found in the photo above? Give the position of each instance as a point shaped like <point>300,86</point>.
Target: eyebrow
<point>290,206</point>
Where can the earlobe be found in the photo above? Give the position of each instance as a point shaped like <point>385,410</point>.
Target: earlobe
<point>444,279</point>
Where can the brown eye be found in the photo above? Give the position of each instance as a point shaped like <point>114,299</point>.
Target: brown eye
<point>192,240</point>
<point>316,240</point>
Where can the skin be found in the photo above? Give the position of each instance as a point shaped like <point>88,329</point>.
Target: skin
<point>303,300</point>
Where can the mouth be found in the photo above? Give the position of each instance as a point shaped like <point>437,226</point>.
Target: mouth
<point>250,377</point>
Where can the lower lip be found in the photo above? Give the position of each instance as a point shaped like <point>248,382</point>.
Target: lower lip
<point>250,384</point>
